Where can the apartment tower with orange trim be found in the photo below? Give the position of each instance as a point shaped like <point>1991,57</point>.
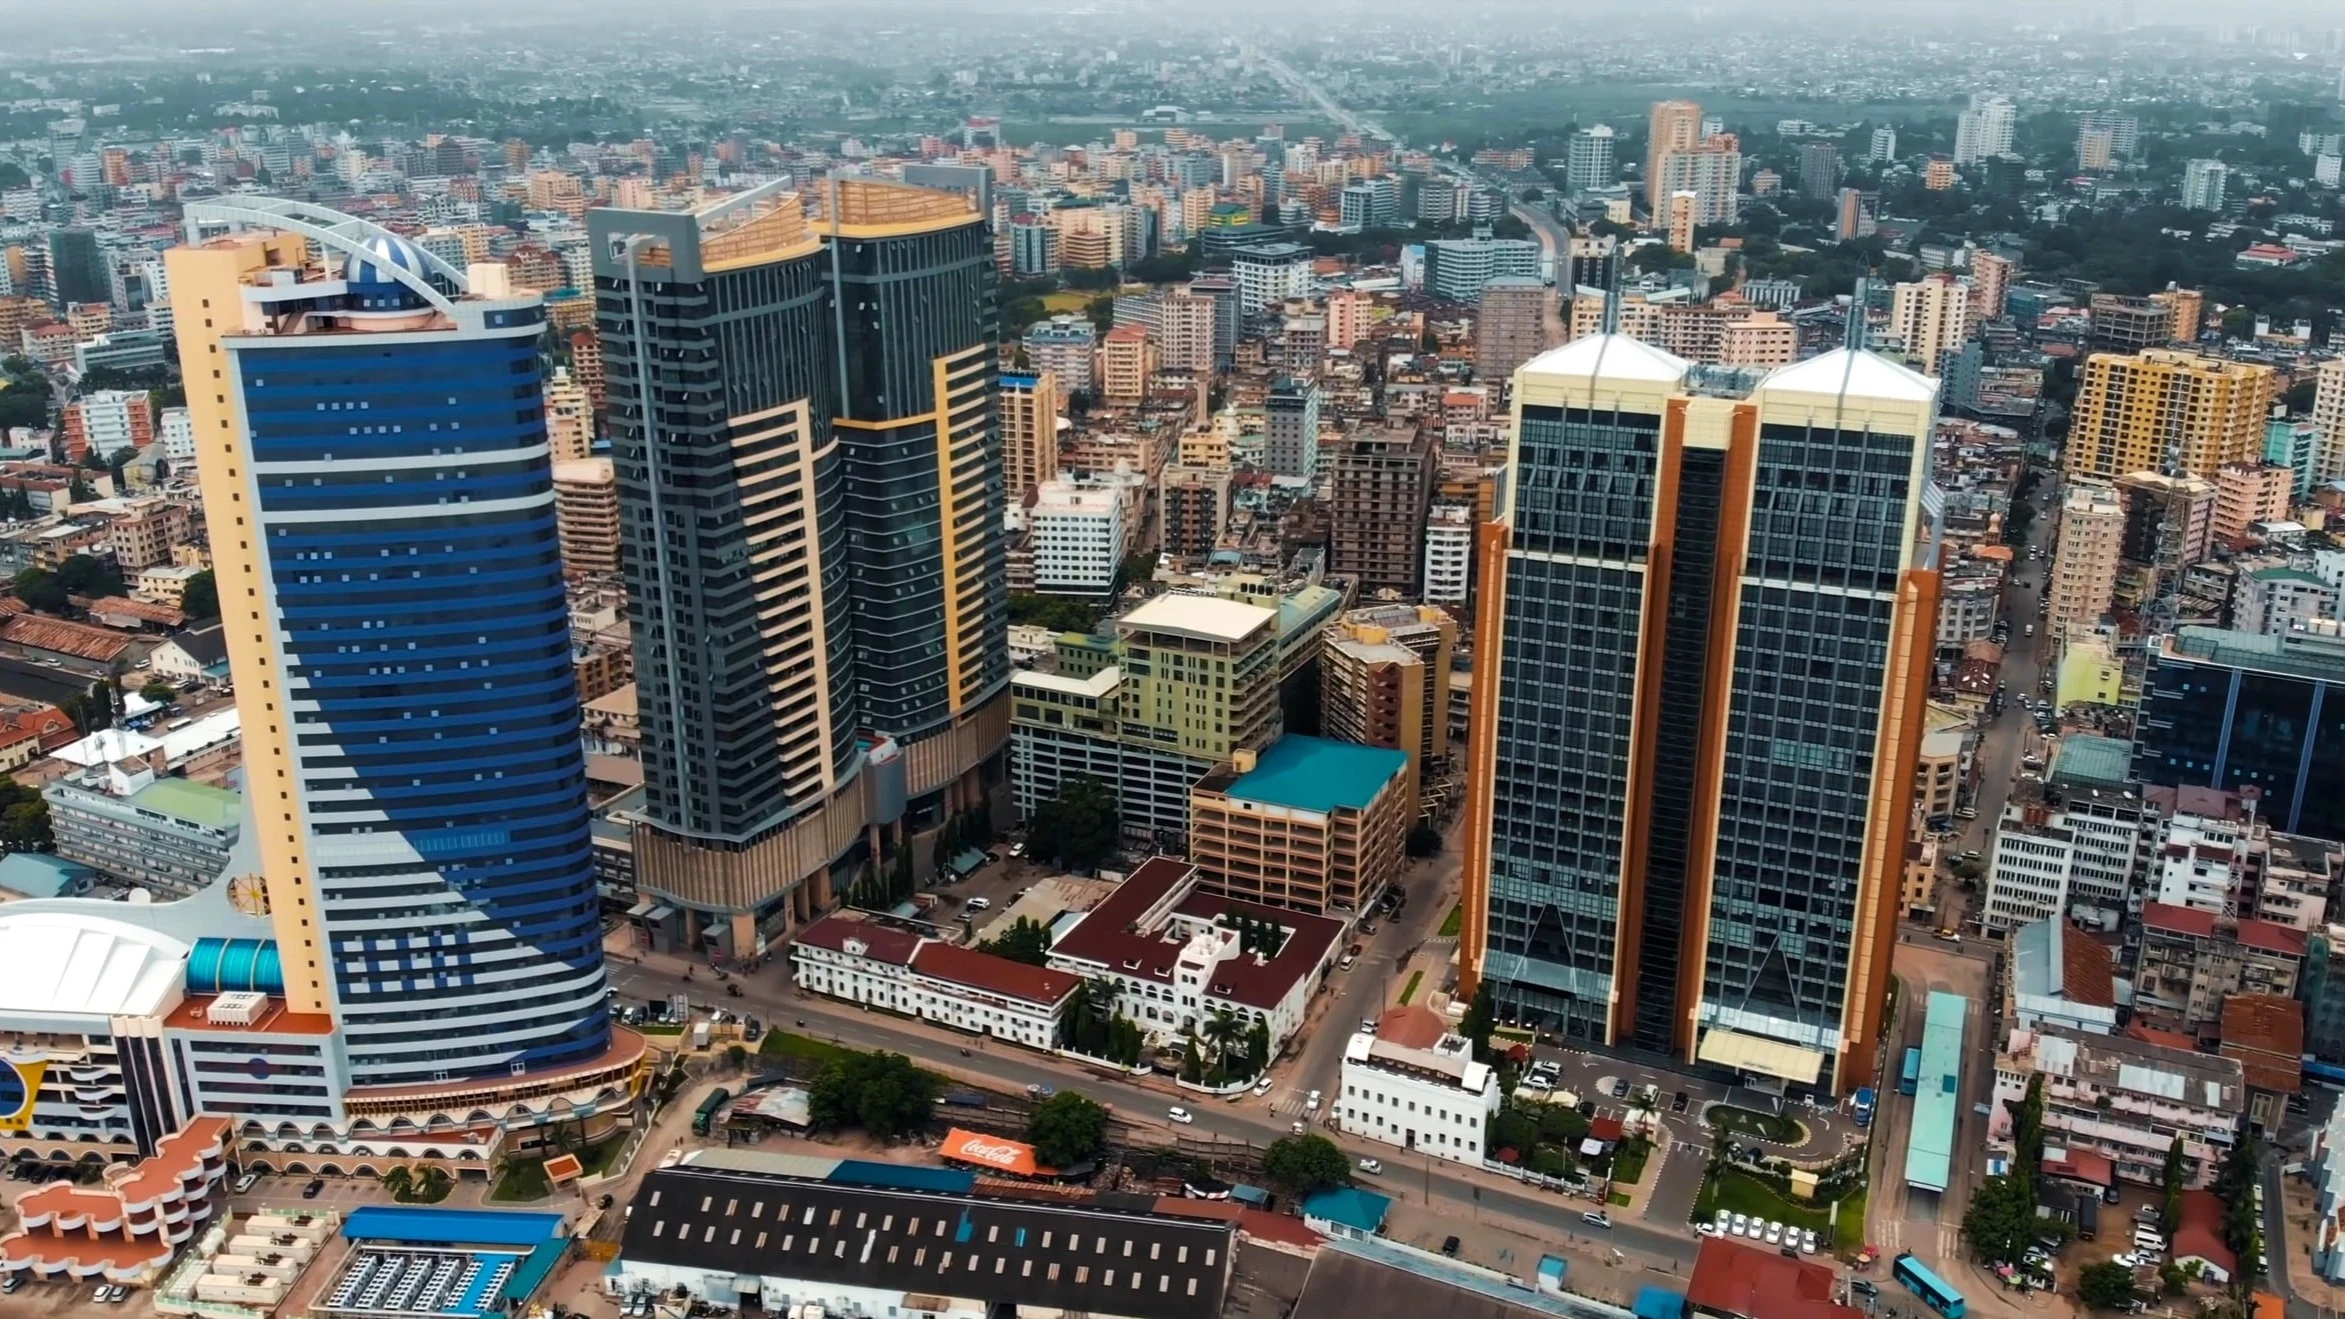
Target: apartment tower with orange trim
<point>1714,597</point>
<point>801,408</point>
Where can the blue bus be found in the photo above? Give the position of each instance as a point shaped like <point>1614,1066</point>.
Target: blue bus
<point>1911,1080</point>
<point>1929,1286</point>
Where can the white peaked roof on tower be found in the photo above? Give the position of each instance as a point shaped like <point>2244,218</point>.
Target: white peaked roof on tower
<point>1609,356</point>
<point>1847,372</point>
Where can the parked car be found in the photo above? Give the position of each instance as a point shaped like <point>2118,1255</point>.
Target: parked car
<point>1449,1246</point>
<point>1807,1240</point>
<point>245,1183</point>
<point>1774,1233</point>
<point>980,904</point>
<point>316,1187</point>
<point>1742,1226</point>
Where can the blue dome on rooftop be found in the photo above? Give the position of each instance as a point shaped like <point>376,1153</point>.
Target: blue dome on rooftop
<point>382,252</point>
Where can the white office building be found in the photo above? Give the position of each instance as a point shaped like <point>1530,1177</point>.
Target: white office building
<point>1270,273</point>
<point>2203,184</point>
<point>1414,1085</point>
<point>1986,129</point>
<point>1449,553</point>
<point>2078,855</point>
<point>1077,532</point>
<point>176,430</point>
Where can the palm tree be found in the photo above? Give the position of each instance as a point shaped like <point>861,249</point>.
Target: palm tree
<point>400,1182</point>
<point>1221,1030</point>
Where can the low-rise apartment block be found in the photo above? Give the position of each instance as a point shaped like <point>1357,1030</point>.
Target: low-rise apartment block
<point>2125,1098</point>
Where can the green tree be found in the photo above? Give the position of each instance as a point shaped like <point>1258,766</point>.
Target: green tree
<point>400,1182</point>
<point>1080,826</point>
<point>1481,1018</point>
<point>1027,940</point>
<point>433,1184</point>
<point>1300,1165</point>
<point>881,1092</point>
<point>1102,311</point>
<point>1224,1030</point>
<point>2001,1220</point>
<point>2176,1174</point>
<point>2027,1138</point>
<point>1424,841</point>
<point>40,589</point>
<point>158,691</point>
<point>1066,1129</point>
<point>1054,612</point>
<point>88,575</point>
<point>2105,1286</point>
<point>1258,1046</point>
<point>1192,1062</point>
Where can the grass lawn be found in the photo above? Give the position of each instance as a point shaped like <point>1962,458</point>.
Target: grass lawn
<point>649,1029</point>
<point>1415,978</point>
<point>1738,1192</point>
<point>1067,300</point>
<point>1852,1222</point>
<point>798,1048</point>
<point>524,1179</point>
<point>1628,1166</point>
<point>1454,921</point>
<point>1621,1199</point>
<point>1781,1130</point>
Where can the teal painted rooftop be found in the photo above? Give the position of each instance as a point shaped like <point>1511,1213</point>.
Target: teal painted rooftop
<point>1317,774</point>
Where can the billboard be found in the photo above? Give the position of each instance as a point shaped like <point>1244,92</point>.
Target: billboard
<point>20,1091</point>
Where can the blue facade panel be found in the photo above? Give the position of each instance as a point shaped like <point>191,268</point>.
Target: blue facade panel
<point>405,495</point>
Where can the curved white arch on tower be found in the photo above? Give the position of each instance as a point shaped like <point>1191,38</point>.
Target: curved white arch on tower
<point>347,234</point>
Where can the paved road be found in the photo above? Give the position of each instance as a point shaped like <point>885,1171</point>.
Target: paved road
<point>1250,1119</point>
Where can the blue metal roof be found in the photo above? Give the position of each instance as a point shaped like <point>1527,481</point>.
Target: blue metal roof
<point>903,1176</point>
<point>450,1227</point>
<point>1349,1206</point>
<point>1929,1149</point>
<point>235,966</point>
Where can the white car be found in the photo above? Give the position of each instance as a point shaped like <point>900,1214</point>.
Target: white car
<point>1017,849</point>
<point>1721,1221</point>
<point>1807,1240</point>
<point>1774,1233</point>
<point>246,1182</point>
<point>1180,1115</point>
<point>1262,1087</point>
<point>1311,1102</point>
<point>1742,1226</point>
<point>2130,1261</point>
<point>1371,1166</point>
<point>1538,1082</point>
<point>980,904</point>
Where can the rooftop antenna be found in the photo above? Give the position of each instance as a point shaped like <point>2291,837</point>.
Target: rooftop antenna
<point>1853,338</point>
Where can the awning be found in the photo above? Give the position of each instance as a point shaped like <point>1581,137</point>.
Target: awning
<point>658,914</point>
<point>641,908</point>
<point>1765,1057</point>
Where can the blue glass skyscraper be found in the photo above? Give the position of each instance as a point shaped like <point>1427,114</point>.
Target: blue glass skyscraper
<point>379,491</point>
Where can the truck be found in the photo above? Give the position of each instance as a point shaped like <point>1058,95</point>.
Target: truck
<point>704,1117</point>
<point>700,1034</point>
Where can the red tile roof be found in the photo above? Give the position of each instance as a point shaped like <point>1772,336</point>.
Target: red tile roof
<point>881,943</point>
<point>2148,1034</point>
<point>993,975</point>
<point>59,637</point>
<point>2263,935</point>
<point>2265,1032</point>
<point>2201,1233</point>
<point>1113,936</point>
<point>1734,1279</point>
<point>2088,974</point>
<point>1413,1026</point>
<point>2082,1166</point>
